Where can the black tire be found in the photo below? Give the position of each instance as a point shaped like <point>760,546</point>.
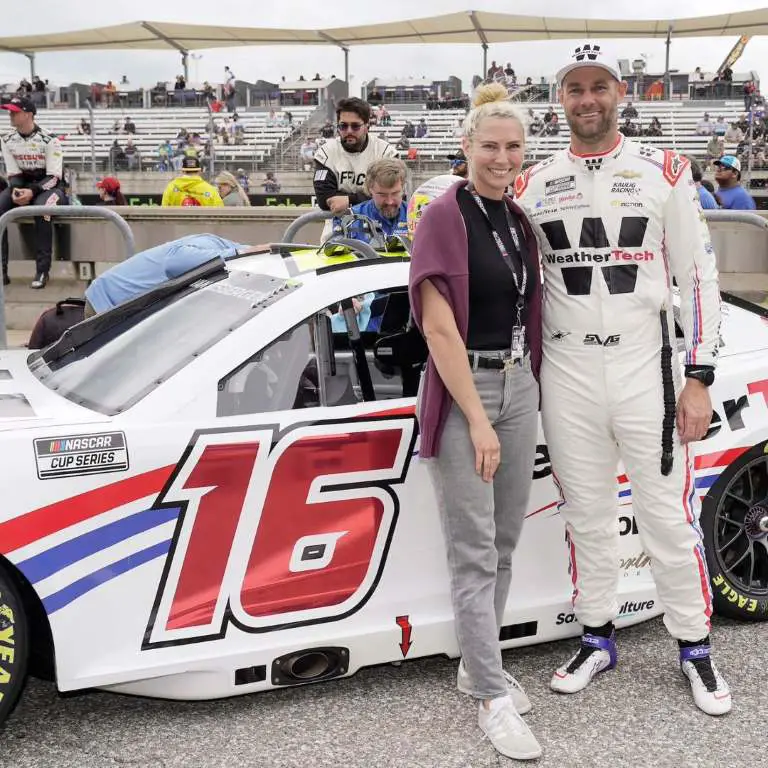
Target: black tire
<point>736,548</point>
<point>14,645</point>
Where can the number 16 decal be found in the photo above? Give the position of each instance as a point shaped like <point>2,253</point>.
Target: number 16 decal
<point>278,531</point>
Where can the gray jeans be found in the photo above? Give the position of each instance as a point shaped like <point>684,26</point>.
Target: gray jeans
<point>482,521</point>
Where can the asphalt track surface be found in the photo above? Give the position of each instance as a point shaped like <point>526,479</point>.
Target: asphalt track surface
<point>412,716</point>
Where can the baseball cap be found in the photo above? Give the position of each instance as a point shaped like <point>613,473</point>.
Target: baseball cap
<point>109,184</point>
<point>190,163</point>
<point>458,157</point>
<point>729,161</point>
<point>590,55</point>
<point>20,104</point>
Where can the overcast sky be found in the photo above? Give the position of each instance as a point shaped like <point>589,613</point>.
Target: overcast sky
<point>269,63</point>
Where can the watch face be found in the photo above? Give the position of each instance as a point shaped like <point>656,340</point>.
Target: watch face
<point>705,376</point>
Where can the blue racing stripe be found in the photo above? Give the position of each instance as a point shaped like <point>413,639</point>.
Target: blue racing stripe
<point>65,596</point>
<point>706,482</point>
<point>627,492</point>
<point>56,558</point>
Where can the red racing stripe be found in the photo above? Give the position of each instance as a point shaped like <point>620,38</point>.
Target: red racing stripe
<point>720,458</point>
<point>52,518</point>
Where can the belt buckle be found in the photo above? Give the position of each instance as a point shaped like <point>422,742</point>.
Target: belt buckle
<point>510,362</point>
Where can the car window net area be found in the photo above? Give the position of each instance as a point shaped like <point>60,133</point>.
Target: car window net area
<point>113,370</point>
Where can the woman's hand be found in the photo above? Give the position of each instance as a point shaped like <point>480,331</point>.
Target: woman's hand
<point>487,449</point>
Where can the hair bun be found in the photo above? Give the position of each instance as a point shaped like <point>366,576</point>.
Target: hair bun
<point>488,93</point>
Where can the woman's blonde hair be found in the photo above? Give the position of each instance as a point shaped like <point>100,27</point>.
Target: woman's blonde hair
<point>491,100</point>
<point>225,177</point>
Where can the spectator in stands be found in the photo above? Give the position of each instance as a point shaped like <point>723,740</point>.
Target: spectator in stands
<point>340,164</point>
<point>743,123</point>
<point>110,192</point>
<point>458,129</point>
<point>628,128</point>
<point>288,117</point>
<point>129,126</point>
<point>422,129</point>
<point>654,127</point>
<point>191,189</point>
<point>553,126</point>
<point>84,128</point>
<point>208,93</point>
<point>720,127</point>
<point>729,190</point>
<point>629,112</point>
<point>494,70</point>
<point>548,115</point>
<point>229,77</point>
<point>385,119</point>
<point>733,134</point>
<point>715,149</point>
<point>403,143</point>
<point>271,121</point>
<point>749,94</point>
<point>231,191</point>
<point>510,73</point>
<point>537,125</point>
<point>116,126</point>
<point>110,93</point>
<point>243,180</point>
<point>164,153</point>
<point>704,126</point>
<point>132,155</point>
<point>706,198</point>
<point>117,156</point>
<point>271,184</point>
<point>459,165</point>
<point>328,131</point>
<point>307,153</point>
<point>180,84</point>
<point>25,87</point>
<point>409,131</point>
<point>230,96</point>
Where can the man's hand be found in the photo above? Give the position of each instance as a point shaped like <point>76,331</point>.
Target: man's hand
<point>338,204</point>
<point>694,411</point>
<point>22,196</point>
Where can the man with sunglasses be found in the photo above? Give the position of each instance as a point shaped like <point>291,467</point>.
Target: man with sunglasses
<point>341,164</point>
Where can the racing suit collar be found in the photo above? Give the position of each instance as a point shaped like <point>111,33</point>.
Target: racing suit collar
<point>600,160</point>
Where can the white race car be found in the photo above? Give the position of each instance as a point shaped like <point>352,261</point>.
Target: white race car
<point>215,489</point>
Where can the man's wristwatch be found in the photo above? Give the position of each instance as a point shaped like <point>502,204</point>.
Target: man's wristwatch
<point>703,373</point>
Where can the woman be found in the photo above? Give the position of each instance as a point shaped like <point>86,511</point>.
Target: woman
<point>475,294</point>
<point>110,192</point>
<point>230,190</point>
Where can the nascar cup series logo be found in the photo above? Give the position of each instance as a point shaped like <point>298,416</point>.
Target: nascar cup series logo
<point>80,455</point>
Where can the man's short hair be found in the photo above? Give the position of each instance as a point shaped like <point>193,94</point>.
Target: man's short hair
<point>361,108</point>
<point>387,172</point>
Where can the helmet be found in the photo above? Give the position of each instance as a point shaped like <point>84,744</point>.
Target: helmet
<point>425,194</point>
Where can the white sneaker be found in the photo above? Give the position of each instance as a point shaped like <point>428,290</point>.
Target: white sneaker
<point>507,731</point>
<point>519,697</point>
<point>710,691</point>
<point>597,654</point>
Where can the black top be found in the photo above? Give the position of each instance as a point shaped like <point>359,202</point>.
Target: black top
<point>492,291</point>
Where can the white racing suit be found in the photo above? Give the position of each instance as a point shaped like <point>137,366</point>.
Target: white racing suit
<point>615,229</point>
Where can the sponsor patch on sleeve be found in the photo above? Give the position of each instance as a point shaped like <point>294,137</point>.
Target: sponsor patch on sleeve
<point>321,175</point>
<point>72,455</point>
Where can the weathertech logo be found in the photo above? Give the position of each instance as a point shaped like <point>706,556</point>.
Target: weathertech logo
<point>593,163</point>
<point>587,52</point>
<point>620,278</point>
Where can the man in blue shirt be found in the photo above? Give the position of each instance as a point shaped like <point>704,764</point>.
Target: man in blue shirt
<point>730,192</point>
<point>385,183</point>
<point>147,269</point>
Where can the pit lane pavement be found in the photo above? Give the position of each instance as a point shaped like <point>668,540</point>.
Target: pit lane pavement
<point>412,716</point>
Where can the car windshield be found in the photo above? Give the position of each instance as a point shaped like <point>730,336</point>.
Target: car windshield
<point>132,351</point>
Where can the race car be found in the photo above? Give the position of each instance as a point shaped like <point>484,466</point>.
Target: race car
<point>207,491</point>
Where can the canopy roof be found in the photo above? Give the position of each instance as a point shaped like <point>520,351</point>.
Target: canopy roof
<point>462,27</point>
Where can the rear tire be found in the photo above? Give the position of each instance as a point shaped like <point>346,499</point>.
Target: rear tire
<point>14,645</point>
<point>736,547</point>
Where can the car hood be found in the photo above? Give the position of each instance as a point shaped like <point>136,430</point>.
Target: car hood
<point>26,403</point>
<point>742,331</point>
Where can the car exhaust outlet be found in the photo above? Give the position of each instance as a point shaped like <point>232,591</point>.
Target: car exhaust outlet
<point>309,665</point>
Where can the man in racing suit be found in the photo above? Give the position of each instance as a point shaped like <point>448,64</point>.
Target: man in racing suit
<point>341,163</point>
<point>33,161</point>
<point>617,221</point>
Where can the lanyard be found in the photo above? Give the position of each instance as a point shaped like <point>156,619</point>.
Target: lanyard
<point>503,250</point>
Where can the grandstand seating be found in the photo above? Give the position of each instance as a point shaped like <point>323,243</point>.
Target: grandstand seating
<point>153,126</point>
<point>678,121</point>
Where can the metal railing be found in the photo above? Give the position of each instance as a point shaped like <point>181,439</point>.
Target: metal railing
<point>67,212</point>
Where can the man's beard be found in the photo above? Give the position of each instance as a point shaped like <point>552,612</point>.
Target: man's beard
<point>597,131</point>
<point>353,143</point>
<point>389,211</point>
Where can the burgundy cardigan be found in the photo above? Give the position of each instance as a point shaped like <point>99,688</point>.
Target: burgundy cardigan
<point>441,255</point>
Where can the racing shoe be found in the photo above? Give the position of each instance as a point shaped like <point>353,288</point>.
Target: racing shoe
<point>40,281</point>
<point>519,698</point>
<point>506,730</point>
<point>597,654</point>
<point>710,691</point>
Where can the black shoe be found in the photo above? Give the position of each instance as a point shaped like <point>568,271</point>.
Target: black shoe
<point>6,279</point>
<point>40,281</point>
